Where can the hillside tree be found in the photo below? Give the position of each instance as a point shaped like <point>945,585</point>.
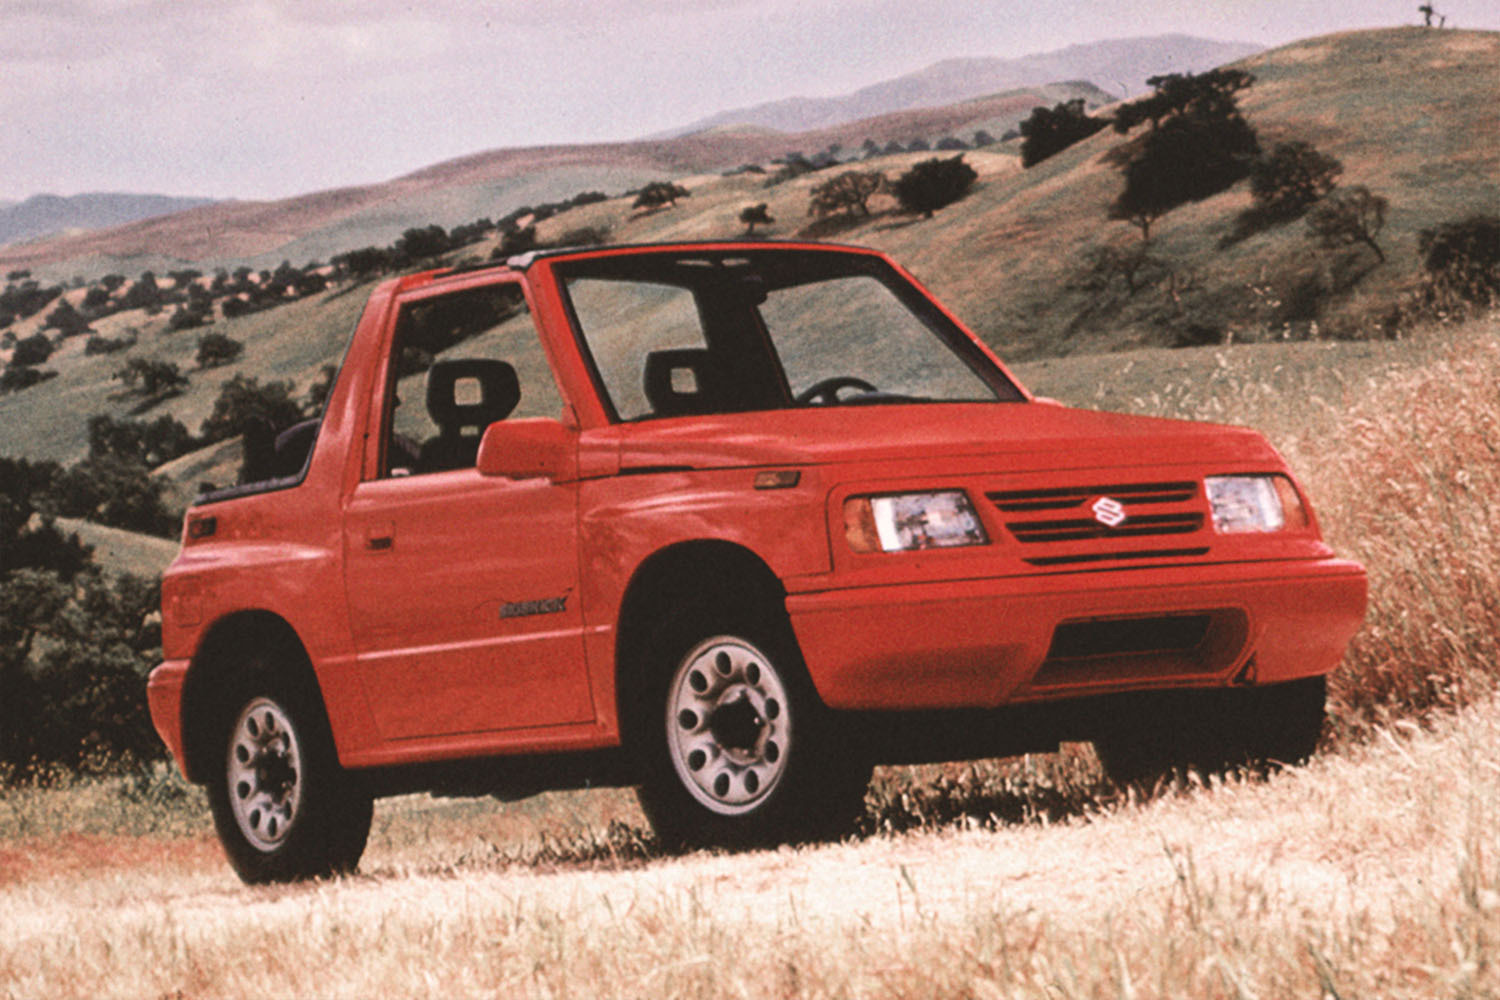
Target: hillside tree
<point>215,349</point>
<point>659,194</point>
<point>934,184</point>
<point>755,215</point>
<point>849,193</point>
<point>153,379</point>
<point>1291,178</point>
<point>1199,144</point>
<point>1351,216</point>
<point>1048,131</point>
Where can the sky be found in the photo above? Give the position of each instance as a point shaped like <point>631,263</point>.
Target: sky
<point>270,98</point>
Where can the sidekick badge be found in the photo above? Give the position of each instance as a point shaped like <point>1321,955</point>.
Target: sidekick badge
<point>545,606</point>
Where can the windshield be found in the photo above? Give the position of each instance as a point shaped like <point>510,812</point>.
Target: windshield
<point>677,333</point>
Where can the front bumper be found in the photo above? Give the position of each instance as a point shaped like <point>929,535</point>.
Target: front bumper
<point>983,643</point>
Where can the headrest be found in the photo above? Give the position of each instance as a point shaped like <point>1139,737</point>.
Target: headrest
<point>695,393</point>
<point>499,390</point>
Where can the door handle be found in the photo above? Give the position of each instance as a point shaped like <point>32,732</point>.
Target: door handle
<point>380,537</point>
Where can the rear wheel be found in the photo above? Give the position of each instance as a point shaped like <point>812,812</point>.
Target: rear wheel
<point>283,807</point>
<point>734,745</point>
<point>1213,732</point>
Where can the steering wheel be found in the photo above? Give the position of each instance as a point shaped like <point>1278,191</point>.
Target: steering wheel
<point>826,391</point>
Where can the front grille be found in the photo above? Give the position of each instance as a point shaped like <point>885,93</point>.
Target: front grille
<point>1058,527</point>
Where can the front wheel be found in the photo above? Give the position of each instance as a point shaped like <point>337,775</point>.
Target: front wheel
<point>736,748</point>
<point>283,807</point>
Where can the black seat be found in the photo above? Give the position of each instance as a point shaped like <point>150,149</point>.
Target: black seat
<point>462,424</point>
<point>684,381</point>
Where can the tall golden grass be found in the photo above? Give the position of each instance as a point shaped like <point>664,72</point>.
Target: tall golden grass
<point>1404,474</point>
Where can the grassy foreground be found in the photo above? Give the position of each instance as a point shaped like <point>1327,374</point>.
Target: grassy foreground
<point>1374,872</point>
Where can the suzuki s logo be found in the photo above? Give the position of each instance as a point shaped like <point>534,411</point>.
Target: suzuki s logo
<point>1108,512</point>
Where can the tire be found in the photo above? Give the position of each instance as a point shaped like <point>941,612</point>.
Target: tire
<point>734,746</point>
<point>283,808</point>
<point>1256,729</point>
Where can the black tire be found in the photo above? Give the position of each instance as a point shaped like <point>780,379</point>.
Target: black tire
<point>1214,732</point>
<point>283,807</point>
<point>734,747</point>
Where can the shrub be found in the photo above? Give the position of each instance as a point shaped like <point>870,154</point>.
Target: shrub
<point>67,321</point>
<point>73,663</point>
<point>423,242</point>
<point>933,184</point>
<point>14,379</point>
<point>150,443</point>
<point>1050,131</point>
<point>99,344</point>
<point>215,349</point>
<point>32,350</point>
<point>658,194</point>
<point>187,317</point>
<point>26,299</point>
<point>113,490</point>
<point>244,400</point>
<point>1462,260</point>
<point>152,379</point>
<point>143,294</point>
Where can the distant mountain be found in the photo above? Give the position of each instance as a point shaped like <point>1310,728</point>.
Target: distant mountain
<point>1119,66</point>
<point>50,214</point>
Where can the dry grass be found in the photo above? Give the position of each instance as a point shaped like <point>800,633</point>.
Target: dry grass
<point>1373,872</point>
<point>1370,873</point>
<point>1403,467</point>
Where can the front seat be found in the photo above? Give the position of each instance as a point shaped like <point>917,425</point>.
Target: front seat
<point>461,425</point>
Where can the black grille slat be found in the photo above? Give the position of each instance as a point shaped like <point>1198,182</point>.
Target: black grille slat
<point>1091,557</point>
<point>1055,526</point>
<point>1129,494</point>
<point>1082,529</point>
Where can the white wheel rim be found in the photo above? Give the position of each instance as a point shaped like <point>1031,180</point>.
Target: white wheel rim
<point>265,774</point>
<point>729,729</point>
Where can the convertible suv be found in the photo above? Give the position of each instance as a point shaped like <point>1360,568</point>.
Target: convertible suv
<point>730,522</point>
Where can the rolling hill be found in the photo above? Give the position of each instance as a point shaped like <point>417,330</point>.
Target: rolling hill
<point>320,224</point>
<point>49,214</point>
<point>1411,113</point>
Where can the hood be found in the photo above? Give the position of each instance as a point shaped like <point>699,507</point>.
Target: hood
<point>1022,435</point>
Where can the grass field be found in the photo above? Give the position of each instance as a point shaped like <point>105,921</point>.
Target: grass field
<point>1373,872</point>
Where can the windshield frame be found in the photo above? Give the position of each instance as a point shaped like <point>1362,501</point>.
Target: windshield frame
<point>769,268</point>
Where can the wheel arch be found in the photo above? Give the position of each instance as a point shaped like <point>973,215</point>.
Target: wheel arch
<point>679,576</point>
<point>224,650</point>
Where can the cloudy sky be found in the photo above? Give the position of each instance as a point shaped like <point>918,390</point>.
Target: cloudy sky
<point>268,98</point>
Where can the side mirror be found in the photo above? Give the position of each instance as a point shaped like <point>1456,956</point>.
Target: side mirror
<point>533,448</point>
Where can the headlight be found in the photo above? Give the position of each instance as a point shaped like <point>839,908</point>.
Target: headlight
<point>903,522</point>
<point>1254,503</point>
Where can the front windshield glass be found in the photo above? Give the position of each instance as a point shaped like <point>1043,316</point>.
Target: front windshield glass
<point>671,334</point>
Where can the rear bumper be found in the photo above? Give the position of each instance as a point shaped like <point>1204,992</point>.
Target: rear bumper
<point>989,642</point>
<point>164,694</point>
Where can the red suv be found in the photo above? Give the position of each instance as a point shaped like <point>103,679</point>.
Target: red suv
<point>730,522</point>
